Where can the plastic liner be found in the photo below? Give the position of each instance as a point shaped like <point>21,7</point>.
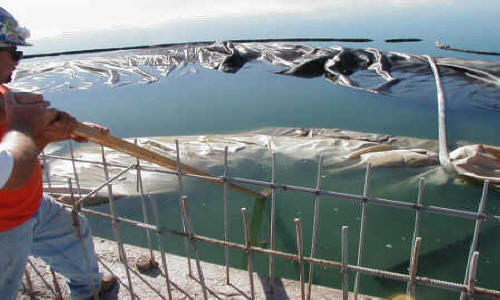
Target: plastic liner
<point>372,70</point>
<point>342,150</point>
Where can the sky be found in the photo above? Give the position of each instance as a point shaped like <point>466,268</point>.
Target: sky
<point>56,17</point>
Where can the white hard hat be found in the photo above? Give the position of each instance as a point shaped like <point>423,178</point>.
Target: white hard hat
<point>10,31</point>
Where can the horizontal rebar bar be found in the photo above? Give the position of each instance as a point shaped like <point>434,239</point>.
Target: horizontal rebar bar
<point>465,287</point>
<point>97,189</point>
<point>117,219</point>
<point>364,270</point>
<point>353,197</point>
<point>316,261</point>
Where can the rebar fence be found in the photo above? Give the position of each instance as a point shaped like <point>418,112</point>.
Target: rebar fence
<point>467,288</point>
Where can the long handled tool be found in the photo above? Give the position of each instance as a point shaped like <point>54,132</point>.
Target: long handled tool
<point>95,135</point>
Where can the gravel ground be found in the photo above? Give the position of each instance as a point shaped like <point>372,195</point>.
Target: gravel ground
<point>152,285</point>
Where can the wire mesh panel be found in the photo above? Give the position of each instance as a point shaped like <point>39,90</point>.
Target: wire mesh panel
<point>248,245</point>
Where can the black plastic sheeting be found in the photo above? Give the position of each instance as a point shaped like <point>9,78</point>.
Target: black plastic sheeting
<point>368,69</point>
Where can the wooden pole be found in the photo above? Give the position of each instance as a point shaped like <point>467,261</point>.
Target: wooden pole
<point>95,135</point>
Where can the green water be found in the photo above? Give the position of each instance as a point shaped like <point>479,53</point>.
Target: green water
<point>209,101</point>
<point>214,102</point>
<point>445,240</point>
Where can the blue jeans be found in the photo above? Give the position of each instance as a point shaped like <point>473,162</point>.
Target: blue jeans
<point>50,235</point>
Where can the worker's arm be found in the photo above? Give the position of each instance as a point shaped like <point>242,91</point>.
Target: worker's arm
<point>59,129</point>
<point>19,155</point>
<point>24,122</point>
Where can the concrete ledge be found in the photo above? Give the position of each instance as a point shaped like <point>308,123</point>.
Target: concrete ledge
<point>152,285</point>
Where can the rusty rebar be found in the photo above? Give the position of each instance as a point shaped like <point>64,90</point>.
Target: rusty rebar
<point>410,287</point>
<point>190,231</point>
<point>300,253</point>
<point>413,267</point>
<point>326,193</point>
<point>366,191</point>
<point>76,225</point>
<point>160,245</point>
<point>272,238</point>
<point>226,215</point>
<point>145,216</point>
<point>248,251</point>
<point>477,229</point>
<point>75,173</point>
<point>273,222</point>
<point>345,263</point>
<point>314,238</point>
<point>181,193</point>
<point>115,227</point>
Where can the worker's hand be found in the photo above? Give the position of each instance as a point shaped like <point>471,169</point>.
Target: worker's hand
<point>31,118</point>
<point>81,139</point>
<point>59,129</point>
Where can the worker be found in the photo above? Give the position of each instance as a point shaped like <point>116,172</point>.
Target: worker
<point>31,223</point>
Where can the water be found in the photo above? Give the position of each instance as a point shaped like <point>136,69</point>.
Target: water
<point>462,23</point>
<point>207,101</point>
<point>195,101</point>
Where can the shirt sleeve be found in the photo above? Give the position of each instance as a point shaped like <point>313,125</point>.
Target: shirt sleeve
<point>6,166</point>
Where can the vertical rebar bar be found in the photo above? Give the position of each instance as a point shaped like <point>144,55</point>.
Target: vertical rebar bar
<point>76,225</point>
<point>273,222</point>
<point>248,252</point>
<point>190,231</point>
<point>345,263</point>
<point>472,263</point>
<point>114,225</point>
<point>471,280</point>
<point>366,191</point>
<point>416,229</point>
<point>57,287</point>
<point>226,214</point>
<point>418,211</point>
<point>314,238</point>
<point>300,253</point>
<point>181,193</point>
<point>154,207</point>
<point>477,229</point>
<point>75,173</point>
<point>145,217</point>
<point>413,268</point>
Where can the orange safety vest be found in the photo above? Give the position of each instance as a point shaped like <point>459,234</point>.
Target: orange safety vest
<point>18,206</point>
